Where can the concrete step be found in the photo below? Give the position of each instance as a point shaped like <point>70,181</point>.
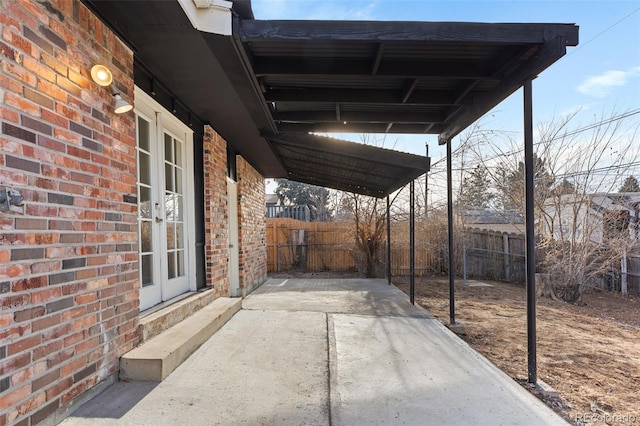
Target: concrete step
<point>165,315</point>
<point>156,358</point>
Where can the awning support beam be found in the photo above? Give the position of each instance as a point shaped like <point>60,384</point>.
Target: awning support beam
<point>452,272</point>
<point>412,242</point>
<point>388,241</point>
<point>530,232</point>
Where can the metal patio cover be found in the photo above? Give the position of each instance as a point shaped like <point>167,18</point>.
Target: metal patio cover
<point>269,85</point>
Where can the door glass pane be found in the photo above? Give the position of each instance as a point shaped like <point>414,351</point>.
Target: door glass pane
<point>177,209</point>
<point>168,148</point>
<point>169,206</point>
<point>144,169</point>
<point>178,153</point>
<point>147,270</point>
<point>146,237</point>
<point>178,181</point>
<point>168,177</point>
<point>171,265</point>
<point>171,236</point>
<point>144,199</point>
<point>180,255</point>
<point>143,134</point>
<point>179,235</point>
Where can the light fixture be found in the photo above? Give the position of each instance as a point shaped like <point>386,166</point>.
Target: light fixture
<point>122,106</point>
<point>101,75</point>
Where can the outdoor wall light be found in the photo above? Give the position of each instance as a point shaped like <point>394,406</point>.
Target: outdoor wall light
<point>122,106</point>
<point>103,77</point>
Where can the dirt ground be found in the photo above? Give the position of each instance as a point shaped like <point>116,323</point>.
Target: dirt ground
<point>589,353</point>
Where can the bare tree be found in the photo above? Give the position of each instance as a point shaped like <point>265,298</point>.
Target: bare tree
<point>369,232</point>
<point>581,226</point>
<point>584,227</point>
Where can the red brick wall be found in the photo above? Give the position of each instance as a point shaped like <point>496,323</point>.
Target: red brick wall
<point>68,257</point>
<point>216,212</point>
<point>252,227</point>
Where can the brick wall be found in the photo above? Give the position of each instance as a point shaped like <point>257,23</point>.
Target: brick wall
<point>68,257</point>
<point>252,227</point>
<point>216,212</point>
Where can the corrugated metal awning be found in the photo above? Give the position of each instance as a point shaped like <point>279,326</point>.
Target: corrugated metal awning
<point>273,82</point>
<point>344,165</point>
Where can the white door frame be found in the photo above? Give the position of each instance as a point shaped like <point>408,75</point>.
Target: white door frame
<point>163,122</point>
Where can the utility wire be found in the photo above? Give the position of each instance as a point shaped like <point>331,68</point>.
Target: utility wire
<point>577,49</point>
<point>601,169</point>
<point>560,136</point>
<point>602,32</point>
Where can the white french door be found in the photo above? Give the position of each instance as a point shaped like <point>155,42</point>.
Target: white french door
<point>164,148</point>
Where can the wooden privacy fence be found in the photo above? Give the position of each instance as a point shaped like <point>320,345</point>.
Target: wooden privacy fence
<point>428,260</point>
<point>315,257</point>
<point>633,273</point>
<point>493,255</point>
<point>329,246</point>
<point>313,246</point>
<point>480,254</point>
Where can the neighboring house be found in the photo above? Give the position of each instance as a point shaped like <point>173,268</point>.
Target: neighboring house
<point>272,200</point>
<point>297,212</point>
<point>276,209</point>
<point>594,217</point>
<point>110,213</point>
<point>507,221</point>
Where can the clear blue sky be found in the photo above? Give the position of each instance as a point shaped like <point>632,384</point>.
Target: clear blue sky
<point>601,74</point>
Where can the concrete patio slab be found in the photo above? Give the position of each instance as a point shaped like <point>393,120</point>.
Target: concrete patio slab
<point>349,296</point>
<point>155,359</point>
<point>261,368</point>
<point>411,371</point>
<point>320,352</point>
<point>473,283</point>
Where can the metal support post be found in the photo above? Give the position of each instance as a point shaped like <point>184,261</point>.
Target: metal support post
<point>388,241</point>
<point>412,243</point>
<point>452,302</point>
<point>426,185</point>
<point>530,233</point>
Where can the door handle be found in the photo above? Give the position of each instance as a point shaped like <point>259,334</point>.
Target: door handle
<point>159,219</point>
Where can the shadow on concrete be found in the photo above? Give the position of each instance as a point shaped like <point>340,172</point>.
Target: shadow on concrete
<point>326,352</point>
<point>116,401</point>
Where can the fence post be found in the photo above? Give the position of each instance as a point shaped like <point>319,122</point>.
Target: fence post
<point>278,256</point>
<point>464,261</point>
<point>505,259</point>
<point>623,272</point>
